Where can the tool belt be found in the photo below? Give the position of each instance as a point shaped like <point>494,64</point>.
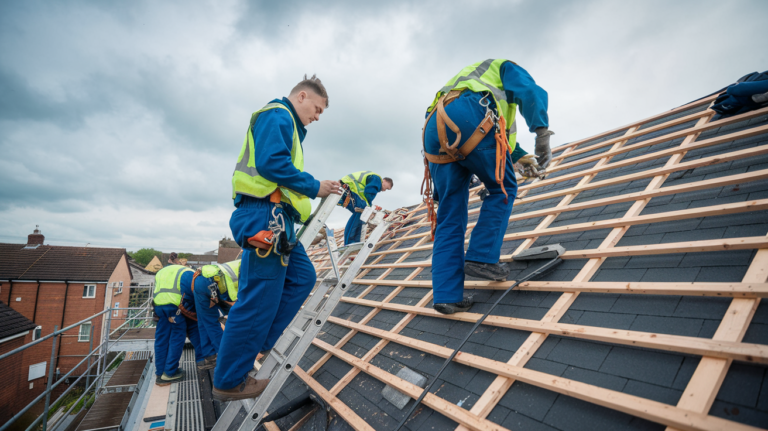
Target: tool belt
<point>452,153</point>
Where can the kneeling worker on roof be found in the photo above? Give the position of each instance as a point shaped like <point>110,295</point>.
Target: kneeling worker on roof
<point>271,192</point>
<point>471,129</point>
<point>175,307</point>
<point>215,289</point>
<point>363,187</point>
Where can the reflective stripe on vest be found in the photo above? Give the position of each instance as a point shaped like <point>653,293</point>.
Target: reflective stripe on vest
<point>246,179</point>
<point>485,76</point>
<point>167,285</point>
<point>231,272</point>
<point>357,182</point>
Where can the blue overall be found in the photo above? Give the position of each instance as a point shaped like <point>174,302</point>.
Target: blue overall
<point>451,184</point>
<point>268,298</point>
<point>170,335</point>
<point>207,316</point>
<point>353,229</point>
<point>269,294</point>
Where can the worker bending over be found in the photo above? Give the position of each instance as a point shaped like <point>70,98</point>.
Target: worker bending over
<point>471,129</point>
<point>271,193</point>
<point>175,307</point>
<point>215,289</point>
<point>363,188</point>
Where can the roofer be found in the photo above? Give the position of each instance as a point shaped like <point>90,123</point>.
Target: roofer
<point>175,307</point>
<point>363,186</point>
<point>471,129</point>
<point>271,193</point>
<point>215,288</point>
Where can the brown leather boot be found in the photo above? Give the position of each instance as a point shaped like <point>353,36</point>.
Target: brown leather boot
<point>250,388</point>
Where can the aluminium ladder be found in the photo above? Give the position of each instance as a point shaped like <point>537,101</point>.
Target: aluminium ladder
<point>297,337</point>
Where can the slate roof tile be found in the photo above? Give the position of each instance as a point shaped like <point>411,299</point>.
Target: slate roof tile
<point>643,365</point>
<point>58,263</point>
<point>12,322</point>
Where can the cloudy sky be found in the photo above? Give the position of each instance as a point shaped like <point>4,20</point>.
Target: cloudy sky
<point>120,122</point>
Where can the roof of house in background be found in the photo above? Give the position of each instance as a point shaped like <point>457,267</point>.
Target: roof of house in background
<point>228,254</point>
<point>58,263</point>
<point>665,224</point>
<point>12,322</point>
<point>154,265</point>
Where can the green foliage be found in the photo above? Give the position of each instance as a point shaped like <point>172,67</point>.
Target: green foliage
<point>145,255</point>
<point>185,255</point>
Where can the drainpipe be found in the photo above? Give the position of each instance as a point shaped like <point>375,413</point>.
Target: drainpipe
<point>37,298</point>
<point>63,313</point>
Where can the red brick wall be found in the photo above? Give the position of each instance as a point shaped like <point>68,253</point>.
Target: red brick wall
<point>12,379</point>
<point>51,311</point>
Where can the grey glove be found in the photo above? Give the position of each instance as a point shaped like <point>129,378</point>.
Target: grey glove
<point>543,151</point>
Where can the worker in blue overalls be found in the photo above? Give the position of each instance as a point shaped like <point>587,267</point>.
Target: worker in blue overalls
<point>363,188</point>
<point>471,129</point>
<point>271,193</point>
<point>215,293</point>
<point>175,307</point>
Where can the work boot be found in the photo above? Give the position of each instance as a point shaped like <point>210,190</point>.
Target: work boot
<point>208,363</point>
<point>488,271</point>
<point>159,381</point>
<point>167,380</point>
<point>456,307</point>
<point>250,388</point>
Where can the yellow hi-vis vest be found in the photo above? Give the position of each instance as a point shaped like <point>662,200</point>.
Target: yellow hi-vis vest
<point>485,76</point>
<point>228,273</point>
<point>167,285</point>
<point>246,179</point>
<point>357,182</point>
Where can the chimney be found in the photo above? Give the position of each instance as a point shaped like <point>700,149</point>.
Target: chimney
<point>35,238</point>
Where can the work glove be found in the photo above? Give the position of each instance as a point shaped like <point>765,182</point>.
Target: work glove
<point>529,167</point>
<point>543,151</point>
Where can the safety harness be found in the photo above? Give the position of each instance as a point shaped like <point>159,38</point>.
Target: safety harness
<point>214,289</point>
<point>452,153</point>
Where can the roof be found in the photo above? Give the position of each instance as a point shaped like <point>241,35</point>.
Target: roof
<point>664,222</point>
<point>12,322</point>
<point>58,263</point>
<point>228,254</point>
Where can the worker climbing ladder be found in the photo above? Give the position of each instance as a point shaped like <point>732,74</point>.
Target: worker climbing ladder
<point>290,348</point>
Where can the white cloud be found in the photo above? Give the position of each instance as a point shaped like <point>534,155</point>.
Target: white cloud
<point>120,123</point>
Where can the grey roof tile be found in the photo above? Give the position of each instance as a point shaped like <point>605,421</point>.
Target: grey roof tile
<point>644,365</point>
<point>579,353</point>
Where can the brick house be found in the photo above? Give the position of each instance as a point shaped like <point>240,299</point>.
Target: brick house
<point>15,331</point>
<point>57,286</point>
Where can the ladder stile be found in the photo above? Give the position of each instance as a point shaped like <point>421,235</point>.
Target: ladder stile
<point>304,327</point>
<point>279,373</point>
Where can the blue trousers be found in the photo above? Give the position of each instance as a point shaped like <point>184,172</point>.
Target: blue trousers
<point>207,318</point>
<point>169,339</point>
<point>269,296</point>
<point>354,227</point>
<point>451,182</point>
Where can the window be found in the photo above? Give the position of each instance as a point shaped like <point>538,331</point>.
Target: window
<point>37,370</point>
<point>121,284</point>
<point>37,333</point>
<point>89,291</point>
<point>85,332</point>
<point>116,312</point>
<point>120,288</point>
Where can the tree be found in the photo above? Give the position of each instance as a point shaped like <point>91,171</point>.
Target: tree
<point>185,255</point>
<point>145,255</point>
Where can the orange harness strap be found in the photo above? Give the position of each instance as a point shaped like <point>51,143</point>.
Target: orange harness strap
<point>451,153</point>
